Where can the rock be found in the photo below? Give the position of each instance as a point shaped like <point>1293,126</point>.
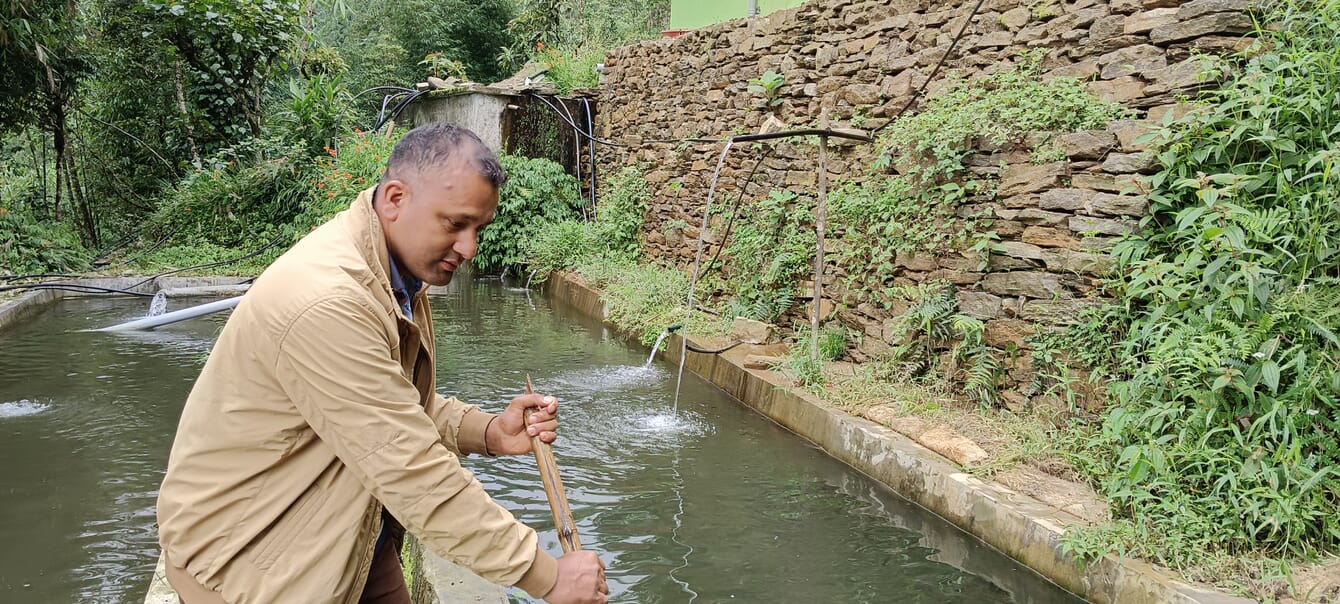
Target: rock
<point>1007,333</point>
<point>1214,23</point>
<point>1107,27</point>
<point>1089,144</point>
<point>1027,178</point>
<point>881,414</point>
<point>1127,163</point>
<point>1050,237</point>
<point>1100,226</point>
<point>861,94</point>
<point>759,361</point>
<point>1140,23</point>
<point>1123,183</point>
<point>1065,199</point>
<point>1186,75</point>
<point>1118,205</point>
<point>911,427</point>
<point>980,305</point>
<point>1036,217</point>
<point>1082,70</point>
<point>1119,90</point>
<point>997,39</point>
<point>1032,284</point>
<point>826,307</point>
<point>1197,8</point>
<point>955,277</point>
<point>958,448</point>
<point>1019,249</point>
<point>1015,18</point>
<point>1056,312</point>
<point>750,331</point>
<point>1079,263</point>
<point>1001,263</point>
<point>1134,60</point>
<point>1127,131</point>
<point>916,262</point>
<point>1168,113</point>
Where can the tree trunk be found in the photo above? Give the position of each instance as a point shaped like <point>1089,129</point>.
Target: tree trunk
<point>186,129</point>
<point>58,147</point>
<point>79,195</point>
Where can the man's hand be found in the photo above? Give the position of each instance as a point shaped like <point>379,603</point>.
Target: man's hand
<point>581,580</point>
<point>510,434</point>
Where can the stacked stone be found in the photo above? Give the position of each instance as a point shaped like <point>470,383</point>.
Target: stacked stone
<point>859,62</point>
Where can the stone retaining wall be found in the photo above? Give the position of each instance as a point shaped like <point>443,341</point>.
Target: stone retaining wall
<point>859,61</point>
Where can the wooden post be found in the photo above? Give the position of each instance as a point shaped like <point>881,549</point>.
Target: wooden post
<point>820,224</point>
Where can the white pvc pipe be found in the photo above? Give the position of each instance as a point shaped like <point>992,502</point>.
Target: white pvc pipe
<point>176,315</point>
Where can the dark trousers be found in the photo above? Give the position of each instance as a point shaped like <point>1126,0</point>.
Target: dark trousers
<point>386,578</point>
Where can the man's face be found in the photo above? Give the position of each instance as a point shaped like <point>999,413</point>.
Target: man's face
<point>432,218</point>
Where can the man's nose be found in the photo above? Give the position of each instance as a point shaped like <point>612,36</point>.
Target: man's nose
<point>468,245</point>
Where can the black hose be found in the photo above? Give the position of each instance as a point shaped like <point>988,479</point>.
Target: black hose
<point>922,89</point>
<point>75,287</point>
<point>693,348</point>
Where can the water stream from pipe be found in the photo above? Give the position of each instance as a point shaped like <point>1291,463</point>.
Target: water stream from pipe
<point>693,278</point>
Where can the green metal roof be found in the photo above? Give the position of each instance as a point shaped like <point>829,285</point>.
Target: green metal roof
<point>692,14</point>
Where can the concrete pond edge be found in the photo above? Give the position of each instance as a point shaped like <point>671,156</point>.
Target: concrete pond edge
<point>1013,523</point>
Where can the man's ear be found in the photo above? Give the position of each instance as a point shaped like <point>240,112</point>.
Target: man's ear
<point>392,198</point>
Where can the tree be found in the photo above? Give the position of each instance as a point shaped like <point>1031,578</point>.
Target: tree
<point>42,61</point>
<point>232,48</point>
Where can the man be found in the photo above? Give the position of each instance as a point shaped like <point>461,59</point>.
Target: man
<point>313,437</point>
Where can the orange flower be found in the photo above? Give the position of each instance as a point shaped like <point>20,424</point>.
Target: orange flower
<point>330,195</point>
<point>321,185</point>
<point>4,211</point>
<point>359,179</point>
<point>329,151</point>
<point>539,45</point>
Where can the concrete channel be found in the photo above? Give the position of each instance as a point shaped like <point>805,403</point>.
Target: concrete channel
<point>1021,527</point>
<point>1015,524</point>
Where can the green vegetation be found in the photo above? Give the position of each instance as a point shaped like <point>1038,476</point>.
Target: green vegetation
<point>917,209</point>
<point>1223,437</point>
<point>769,251</point>
<point>537,192</point>
<point>162,132</point>
<point>768,87</point>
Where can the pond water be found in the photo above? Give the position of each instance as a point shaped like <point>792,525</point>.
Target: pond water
<point>709,502</point>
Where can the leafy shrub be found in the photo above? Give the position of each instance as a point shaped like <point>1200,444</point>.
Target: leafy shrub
<point>1225,432</point>
<point>340,175</point>
<point>769,252</point>
<point>572,66</point>
<point>538,192</point>
<point>645,299</point>
<point>621,212</point>
<point>241,196</point>
<point>310,116</point>
<point>29,246</point>
<point>932,324</point>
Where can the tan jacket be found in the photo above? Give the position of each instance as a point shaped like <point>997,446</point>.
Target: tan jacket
<point>315,409</point>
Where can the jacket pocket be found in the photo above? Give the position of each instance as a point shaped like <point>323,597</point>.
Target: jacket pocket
<point>272,544</point>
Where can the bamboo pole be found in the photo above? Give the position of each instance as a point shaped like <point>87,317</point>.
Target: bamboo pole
<point>820,225</point>
<point>553,487</point>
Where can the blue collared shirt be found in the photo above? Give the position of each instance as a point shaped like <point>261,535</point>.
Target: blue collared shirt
<point>405,286</point>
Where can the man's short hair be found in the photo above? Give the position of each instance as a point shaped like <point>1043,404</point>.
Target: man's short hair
<point>434,145</point>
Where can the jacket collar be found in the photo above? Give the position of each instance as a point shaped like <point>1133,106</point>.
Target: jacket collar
<point>368,236</point>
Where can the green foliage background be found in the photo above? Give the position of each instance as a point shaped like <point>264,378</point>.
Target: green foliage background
<point>1223,439</point>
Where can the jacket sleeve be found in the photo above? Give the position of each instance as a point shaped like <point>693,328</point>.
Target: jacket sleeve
<point>334,362</point>
<point>461,426</point>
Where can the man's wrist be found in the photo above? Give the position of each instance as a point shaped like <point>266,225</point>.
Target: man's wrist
<point>489,437</point>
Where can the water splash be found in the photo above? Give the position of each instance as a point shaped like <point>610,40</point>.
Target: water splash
<point>158,305</point>
<point>21,408</point>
